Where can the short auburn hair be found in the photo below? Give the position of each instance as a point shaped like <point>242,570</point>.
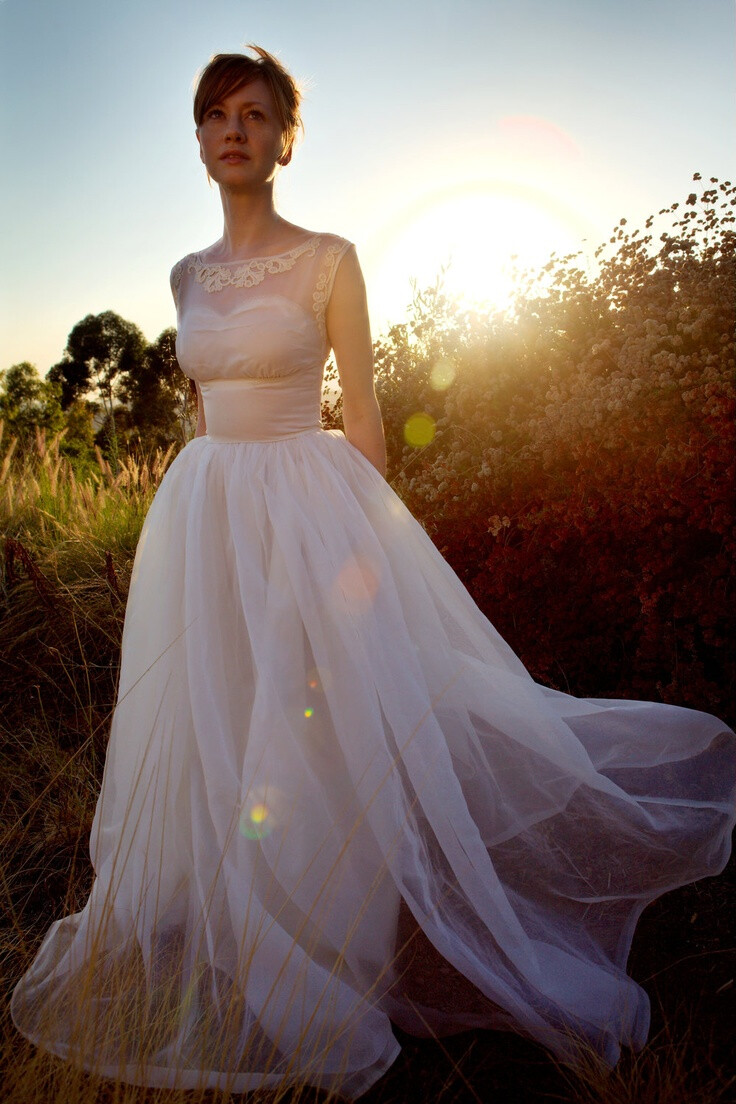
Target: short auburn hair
<point>227,73</point>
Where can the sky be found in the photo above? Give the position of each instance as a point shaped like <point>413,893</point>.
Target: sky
<point>460,132</point>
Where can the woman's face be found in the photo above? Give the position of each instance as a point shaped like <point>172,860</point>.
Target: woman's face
<point>240,138</point>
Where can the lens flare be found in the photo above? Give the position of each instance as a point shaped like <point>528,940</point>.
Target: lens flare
<point>319,679</point>
<point>357,583</point>
<point>261,812</point>
<point>255,824</point>
<point>419,430</point>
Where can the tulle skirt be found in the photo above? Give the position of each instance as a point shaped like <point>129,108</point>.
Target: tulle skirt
<point>317,726</point>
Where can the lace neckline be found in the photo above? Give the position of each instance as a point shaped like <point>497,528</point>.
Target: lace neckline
<point>221,274</point>
<point>286,253</point>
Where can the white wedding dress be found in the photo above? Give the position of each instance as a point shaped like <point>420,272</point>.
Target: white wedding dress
<point>314,722</point>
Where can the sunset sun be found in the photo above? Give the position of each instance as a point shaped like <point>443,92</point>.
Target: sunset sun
<point>479,231</point>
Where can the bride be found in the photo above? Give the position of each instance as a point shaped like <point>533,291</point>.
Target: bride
<point>317,729</point>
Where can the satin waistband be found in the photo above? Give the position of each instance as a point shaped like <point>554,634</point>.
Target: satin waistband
<point>269,409</point>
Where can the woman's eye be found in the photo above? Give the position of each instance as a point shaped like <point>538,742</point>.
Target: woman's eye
<point>216,112</point>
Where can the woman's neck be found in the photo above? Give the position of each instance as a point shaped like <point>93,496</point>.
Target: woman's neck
<point>252,225</point>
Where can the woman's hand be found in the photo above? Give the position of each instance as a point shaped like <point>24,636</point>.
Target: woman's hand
<point>349,334</point>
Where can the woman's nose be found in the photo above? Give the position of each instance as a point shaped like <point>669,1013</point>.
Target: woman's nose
<point>235,131</point>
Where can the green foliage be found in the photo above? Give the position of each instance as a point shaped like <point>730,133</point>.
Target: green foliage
<point>28,402</point>
<point>135,390</point>
<point>103,352</point>
<point>79,439</point>
<point>162,408</point>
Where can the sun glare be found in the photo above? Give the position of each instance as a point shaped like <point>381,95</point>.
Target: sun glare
<point>481,231</point>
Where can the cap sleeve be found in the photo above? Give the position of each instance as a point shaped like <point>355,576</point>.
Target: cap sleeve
<point>175,280</point>
<point>334,253</point>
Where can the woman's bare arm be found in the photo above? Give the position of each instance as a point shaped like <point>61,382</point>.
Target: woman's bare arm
<point>201,429</point>
<point>348,330</point>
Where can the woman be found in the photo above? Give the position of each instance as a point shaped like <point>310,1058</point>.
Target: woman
<point>317,727</point>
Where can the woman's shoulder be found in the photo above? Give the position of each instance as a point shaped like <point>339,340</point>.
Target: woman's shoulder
<point>180,264</point>
<point>299,234</point>
<point>334,239</point>
<point>318,243</point>
<point>335,245</point>
<point>175,276</point>
<point>313,240</point>
<point>178,269</point>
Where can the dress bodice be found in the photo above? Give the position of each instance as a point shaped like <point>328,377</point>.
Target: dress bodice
<point>253,335</point>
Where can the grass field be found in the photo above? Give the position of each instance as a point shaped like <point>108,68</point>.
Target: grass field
<point>69,541</point>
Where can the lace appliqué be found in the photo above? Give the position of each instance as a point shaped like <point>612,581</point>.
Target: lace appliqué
<point>324,285</point>
<point>215,277</point>
<point>175,279</point>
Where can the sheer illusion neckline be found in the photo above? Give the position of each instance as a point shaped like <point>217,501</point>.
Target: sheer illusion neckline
<point>306,244</point>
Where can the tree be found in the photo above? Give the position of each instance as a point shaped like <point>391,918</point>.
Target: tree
<point>162,407</point>
<point>78,441</point>
<point>103,353</point>
<point>27,401</point>
<point>71,378</point>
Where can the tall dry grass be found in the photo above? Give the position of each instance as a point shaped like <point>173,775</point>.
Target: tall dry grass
<point>70,519</point>
<point>69,541</point>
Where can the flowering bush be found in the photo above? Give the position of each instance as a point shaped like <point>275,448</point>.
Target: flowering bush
<point>580,480</point>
